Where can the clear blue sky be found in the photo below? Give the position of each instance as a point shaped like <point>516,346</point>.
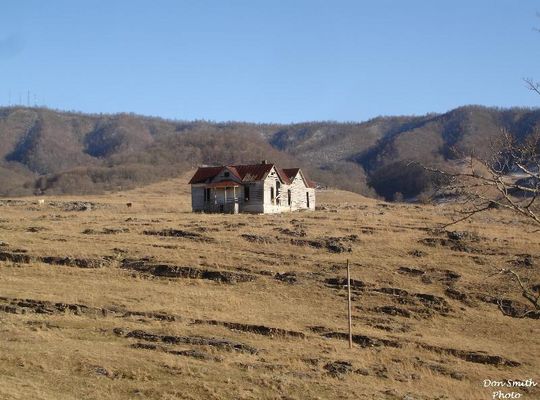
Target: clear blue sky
<point>264,61</point>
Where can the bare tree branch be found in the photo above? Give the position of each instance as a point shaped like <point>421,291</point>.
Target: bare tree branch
<point>508,177</point>
<point>532,85</point>
<point>526,292</point>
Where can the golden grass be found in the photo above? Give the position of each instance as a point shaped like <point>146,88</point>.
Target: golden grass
<point>70,356</point>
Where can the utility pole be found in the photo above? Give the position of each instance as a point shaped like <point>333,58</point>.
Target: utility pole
<point>349,303</point>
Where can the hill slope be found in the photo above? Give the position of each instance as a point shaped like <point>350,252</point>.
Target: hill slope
<point>95,304</point>
<point>58,152</point>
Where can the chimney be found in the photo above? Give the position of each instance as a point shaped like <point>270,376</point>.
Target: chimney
<point>264,162</point>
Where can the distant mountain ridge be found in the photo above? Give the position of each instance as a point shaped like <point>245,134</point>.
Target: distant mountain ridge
<point>48,151</point>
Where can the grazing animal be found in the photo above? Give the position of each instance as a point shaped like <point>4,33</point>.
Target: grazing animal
<point>129,205</point>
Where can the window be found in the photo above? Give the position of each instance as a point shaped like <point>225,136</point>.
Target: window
<point>246,193</point>
<point>226,174</point>
<point>289,197</point>
<point>207,194</point>
<point>307,199</point>
<point>278,187</point>
<point>272,196</point>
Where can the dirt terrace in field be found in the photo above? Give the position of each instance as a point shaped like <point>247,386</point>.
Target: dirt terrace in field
<point>101,300</point>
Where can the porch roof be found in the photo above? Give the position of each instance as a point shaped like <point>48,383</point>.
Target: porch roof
<point>223,184</point>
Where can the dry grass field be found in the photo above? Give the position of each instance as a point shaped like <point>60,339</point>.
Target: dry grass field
<point>103,301</point>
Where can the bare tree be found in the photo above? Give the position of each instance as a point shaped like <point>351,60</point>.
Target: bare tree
<point>528,292</point>
<point>508,177</point>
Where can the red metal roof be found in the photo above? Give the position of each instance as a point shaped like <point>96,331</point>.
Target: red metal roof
<point>283,176</point>
<point>204,174</point>
<point>246,173</point>
<point>292,172</point>
<point>223,184</point>
<point>254,172</point>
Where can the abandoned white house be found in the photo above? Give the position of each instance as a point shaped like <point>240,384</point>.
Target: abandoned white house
<point>259,188</point>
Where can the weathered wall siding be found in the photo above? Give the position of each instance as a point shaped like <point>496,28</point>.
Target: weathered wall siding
<point>197,198</point>
<point>270,182</point>
<point>298,196</point>
<point>256,195</point>
<point>298,193</point>
<point>312,198</point>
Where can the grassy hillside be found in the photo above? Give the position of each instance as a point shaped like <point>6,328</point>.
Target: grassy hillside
<point>102,301</point>
<point>46,151</point>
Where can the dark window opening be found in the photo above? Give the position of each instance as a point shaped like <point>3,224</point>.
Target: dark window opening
<point>226,174</point>
<point>272,196</point>
<point>207,194</point>
<point>307,199</point>
<point>278,187</point>
<point>289,197</point>
<point>246,193</point>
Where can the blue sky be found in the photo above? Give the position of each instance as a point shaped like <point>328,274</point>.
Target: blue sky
<point>268,61</point>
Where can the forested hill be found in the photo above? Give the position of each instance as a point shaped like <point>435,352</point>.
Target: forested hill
<point>46,151</point>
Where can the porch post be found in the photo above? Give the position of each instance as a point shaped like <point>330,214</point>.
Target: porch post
<point>235,203</point>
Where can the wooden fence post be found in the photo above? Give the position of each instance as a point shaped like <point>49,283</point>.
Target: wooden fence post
<point>349,303</point>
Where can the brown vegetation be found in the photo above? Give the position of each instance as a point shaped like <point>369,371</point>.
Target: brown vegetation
<point>156,302</point>
<point>45,151</point>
